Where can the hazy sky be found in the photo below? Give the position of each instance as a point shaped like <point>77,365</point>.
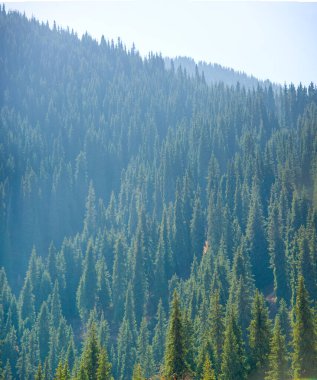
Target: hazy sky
<point>270,40</point>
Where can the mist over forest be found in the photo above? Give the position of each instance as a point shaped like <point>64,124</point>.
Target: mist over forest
<point>158,217</point>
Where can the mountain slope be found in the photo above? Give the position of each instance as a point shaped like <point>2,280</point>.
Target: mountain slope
<point>132,195</point>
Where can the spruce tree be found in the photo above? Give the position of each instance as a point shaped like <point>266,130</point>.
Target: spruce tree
<point>259,335</point>
<point>86,292</point>
<point>144,351</point>
<point>137,373</point>
<point>158,342</point>
<point>27,309</point>
<point>209,373</point>
<point>233,365</point>
<point>39,373</point>
<point>216,324</point>
<point>304,361</point>
<point>104,366</point>
<point>257,241</point>
<point>90,355</point>
<point>119,282</point>
<point>43,331</point>
<point>278,366</point>
<point>175,351</point>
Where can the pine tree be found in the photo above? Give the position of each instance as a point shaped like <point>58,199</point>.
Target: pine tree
<point>27,309</point>
<point>216,324</point>
<point>144,351</point>
<point>209,373</point>
<point>39,373</point>
<point>137,373</point>
<point>59,374</point>
<point>175,351</point>
<point>104,367</point>
<point>158,341</point>
<point>56,308</point>
<point>90,216</point>
<point>43,331</point>
<point>304,336</point>
<point>259,338</point>
<point>233,365</point>
<point>86,292</point>
<point>278,367</point>
<point>90,355</point>
<point>257,241</point>
<point>7,372</point>
<point>162,260</point>
<point>306,266</point>
<point>139,280</point>
<point>103,295</point>
<point>119,282</point>
<point>127,339</point>
<point>197,230</point>
<point>277,253</point>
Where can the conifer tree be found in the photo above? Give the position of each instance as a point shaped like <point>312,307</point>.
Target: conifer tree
<point>127,339</point>
<point>158,342</point>
<point>197,230</point>
<point>90,215</point>
<point>209,373</point>
<point>39,373</point>
<point>259,338</point>
<point>233,365</point>
<point>104,367</point>
<point>277,253</point>
<point>278,366</point>
<point>59,374</point>
<point>90,355</point>
<point>139,280</point>
<point>144,351</point>
<point>304,336</point>
<point>27,309</point>
<point>56,308</point>
<point>175,351</point>
<point>257,240</point>
<point>137,373</point>
<point>86,292</point>
<point>162,260</point>
<point>119,282</point>
<point>216,327</point>
<point>103,294</point>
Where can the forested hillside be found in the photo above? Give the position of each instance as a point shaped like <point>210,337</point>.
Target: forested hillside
<point>215,73</point>
<point>151,224</point>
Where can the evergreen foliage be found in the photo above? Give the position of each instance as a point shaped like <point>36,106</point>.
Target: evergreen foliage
<point>152,218</point>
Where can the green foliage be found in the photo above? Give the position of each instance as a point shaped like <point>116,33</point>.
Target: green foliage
<point>278,360</point>
<point>137,373</point>
<point>259,338</point>
<point>86,292</point>
<point>104,367</point>
<point>175,351</point>
<point>304,336</point>
<point>133,178</point>
<point>209,373</point>
<point>233,365</point>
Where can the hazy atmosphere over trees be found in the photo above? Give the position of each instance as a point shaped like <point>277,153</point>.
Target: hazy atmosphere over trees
<point>157,219</point>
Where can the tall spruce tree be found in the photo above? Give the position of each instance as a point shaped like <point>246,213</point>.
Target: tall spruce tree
<point>278,365</point>
<point>259,336</point>
<point>304,361</point>
<point>233,365</point>
<point>175,350</point>
<point>86,292</point>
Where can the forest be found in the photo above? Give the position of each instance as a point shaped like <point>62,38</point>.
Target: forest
<point>153,224</point>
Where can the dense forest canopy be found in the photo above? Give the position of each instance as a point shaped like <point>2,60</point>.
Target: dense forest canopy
<point>152,222</point>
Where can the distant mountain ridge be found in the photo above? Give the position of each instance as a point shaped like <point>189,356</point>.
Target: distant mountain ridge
<point>215,73</point>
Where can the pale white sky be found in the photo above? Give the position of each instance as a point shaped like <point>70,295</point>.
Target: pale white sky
<point>274,40</point>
